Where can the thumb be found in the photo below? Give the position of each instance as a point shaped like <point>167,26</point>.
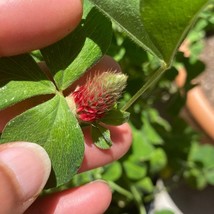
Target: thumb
<point>24,170</point>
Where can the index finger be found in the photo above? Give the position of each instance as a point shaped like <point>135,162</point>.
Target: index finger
<point>29,25</point>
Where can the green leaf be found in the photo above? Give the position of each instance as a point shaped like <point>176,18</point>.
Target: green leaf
<point>156,118</point>
<point>69,58</point>
<point>126,13</point>
<point>158,160</point>
<point>156,25</point>
<point>210,176</point>
<point>140,146</point>
<point>53,126</point>
<point>164,211</point>
<point>146,185</point>
<point>101,137</point>
<point>150,133</point>
<point>112,172</point>
<point>202,154</point>
<point>167,22</point>
<point>195,178</point>
<point>134,170</point>
<point>82,178</point>
<point>21,78</point>
<point>115,117</point>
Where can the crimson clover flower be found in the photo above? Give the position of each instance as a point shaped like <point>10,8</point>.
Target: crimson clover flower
<point>98,95</point>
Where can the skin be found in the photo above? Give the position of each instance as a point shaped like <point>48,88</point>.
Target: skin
<point>28,25</point>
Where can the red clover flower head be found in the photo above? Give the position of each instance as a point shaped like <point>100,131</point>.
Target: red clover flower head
<point>98,95</point>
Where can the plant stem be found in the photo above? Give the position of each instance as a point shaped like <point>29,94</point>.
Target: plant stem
<point>149,83</point>
<point>120,190</point>
<point>138,200</point>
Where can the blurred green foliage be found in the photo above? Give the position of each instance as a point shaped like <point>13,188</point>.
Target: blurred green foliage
<point>164,145</point>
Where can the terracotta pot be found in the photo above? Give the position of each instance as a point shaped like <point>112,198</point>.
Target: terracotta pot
<point>201,110</point>
<point>198,105</point>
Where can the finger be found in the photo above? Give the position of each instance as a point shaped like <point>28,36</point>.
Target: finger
<point>24,170</point>
<point>28,25</point>
<point>92,198</point>
<point>95,157</point>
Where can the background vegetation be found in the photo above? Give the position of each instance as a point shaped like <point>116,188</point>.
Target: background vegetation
<point>164,145</point>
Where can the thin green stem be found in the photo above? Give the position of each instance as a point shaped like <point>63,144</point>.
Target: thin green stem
<point>120,190</point>
<point>138,199</point>
<point>149,83</point>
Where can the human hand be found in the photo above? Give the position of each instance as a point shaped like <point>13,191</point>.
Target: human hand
<point>25,167</point>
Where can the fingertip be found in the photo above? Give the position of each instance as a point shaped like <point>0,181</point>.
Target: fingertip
<point>107,63</point>
<point>92,198</point>
<point>104,192</point>
<point>124,136</point>
<point>29,25</point>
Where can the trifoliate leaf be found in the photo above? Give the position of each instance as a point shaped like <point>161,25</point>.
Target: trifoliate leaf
<point>158,26</point>
<point>53,126</point>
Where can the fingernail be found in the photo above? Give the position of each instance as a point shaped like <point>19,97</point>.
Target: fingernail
<point>29,165</point>
<point>100,181</point>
